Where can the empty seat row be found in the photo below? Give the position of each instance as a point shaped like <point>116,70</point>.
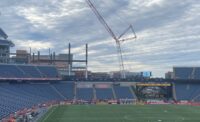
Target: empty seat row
<point>189,92</point>
<point>84,93</point>
<point>15,97</point>
<point>123,92</point>
<point>27,71</point>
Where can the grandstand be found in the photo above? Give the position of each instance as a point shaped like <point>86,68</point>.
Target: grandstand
<point>25,87</point>
<point>85,94</point>
<point>187,91</point>
<point>67,90</point>
<point>104,93</point>
<point>29,86</point>
<point>185,73</point>
<point>18,96</point>
<point>123,92</point>
<point>27,72</point>
<point>15,97</point>
<point>34,87</point>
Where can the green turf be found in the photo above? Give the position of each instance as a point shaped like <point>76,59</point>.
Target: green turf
<point>122,113</point>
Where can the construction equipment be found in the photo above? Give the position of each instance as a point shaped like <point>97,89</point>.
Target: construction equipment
<point>118,40</point>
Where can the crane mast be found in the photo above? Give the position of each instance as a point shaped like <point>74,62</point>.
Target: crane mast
<point>117,39</point>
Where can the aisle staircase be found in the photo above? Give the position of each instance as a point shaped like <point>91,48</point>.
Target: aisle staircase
<point>114,94</point>
<point>94,93</point>
<point>133,93</point>
<point>56,90</point>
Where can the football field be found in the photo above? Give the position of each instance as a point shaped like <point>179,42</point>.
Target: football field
<point>122,113</point>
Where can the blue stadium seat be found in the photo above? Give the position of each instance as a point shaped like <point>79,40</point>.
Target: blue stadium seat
<point>187,91</point>
<point>15,97</point>
<point>187,72</point>
<point>84,94</point>
<point>30,71</point>
<point>27,71</point>
<point>104,93</point>
<point>123,92</point>
<point>48,71</point>
<point>66,89</point>
<point>10,71</point>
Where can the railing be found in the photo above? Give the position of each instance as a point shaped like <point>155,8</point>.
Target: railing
<point>30,79</point>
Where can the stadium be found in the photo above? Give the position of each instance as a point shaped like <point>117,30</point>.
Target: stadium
<point>50,87</point>
<point>35,88</point>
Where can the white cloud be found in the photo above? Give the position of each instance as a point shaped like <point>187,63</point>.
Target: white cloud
<point>167,30</point>
<point>35,45</point>
<point>154,2</point>
<point>48,16</point>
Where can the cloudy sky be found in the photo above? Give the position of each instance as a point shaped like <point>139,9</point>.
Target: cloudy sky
<point>168,31</point>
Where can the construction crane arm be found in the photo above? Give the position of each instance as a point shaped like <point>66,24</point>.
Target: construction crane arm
<point>101,19</point>
<point>117,40</point>
<point>130,38</point>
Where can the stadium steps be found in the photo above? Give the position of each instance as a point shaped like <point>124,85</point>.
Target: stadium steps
<point>94,93</point>
<point>174,91</point>
<point>56,90</point>
<point>133,93</point>
<point>113,91</point>
<point>196,97</point>
<point>41,74</point>
<point>21,70</point>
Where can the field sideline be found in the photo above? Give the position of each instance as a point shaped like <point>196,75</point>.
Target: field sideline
<point>122,113</point>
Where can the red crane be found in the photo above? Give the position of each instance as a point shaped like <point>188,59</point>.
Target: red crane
<point>118,40</point>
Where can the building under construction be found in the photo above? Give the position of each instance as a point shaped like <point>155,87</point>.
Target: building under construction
<point>63,62</point>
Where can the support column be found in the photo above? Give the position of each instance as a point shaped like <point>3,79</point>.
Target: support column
<point>33,58</point>
<point>54,57</point>
<point>30,57</point>
<point>86,62</point>
<point>69,60</point>
<point>38,57</point>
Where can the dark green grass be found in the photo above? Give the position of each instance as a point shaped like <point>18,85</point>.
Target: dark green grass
<point>122,113</point>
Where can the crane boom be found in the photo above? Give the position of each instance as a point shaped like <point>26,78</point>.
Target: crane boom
<point>101,19</point>
<point>117,39</point>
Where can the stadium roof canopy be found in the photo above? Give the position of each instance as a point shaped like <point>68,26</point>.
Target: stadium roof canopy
<point>3,39</point>
<point>4,42</point>
<point>3,34</point>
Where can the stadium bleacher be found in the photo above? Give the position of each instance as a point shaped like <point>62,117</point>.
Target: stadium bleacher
<point>17,96</point>
<point>14,97</point>
<point>8,71</point>
<point>104,93</point>
<point>187,91</point>
<point>30,71</point>
<point>123,92</point>
<point>65,89</point>
<point>186,73</point>
<point>48,71</point>
<point>84,94</point>
<point>12,71</point>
